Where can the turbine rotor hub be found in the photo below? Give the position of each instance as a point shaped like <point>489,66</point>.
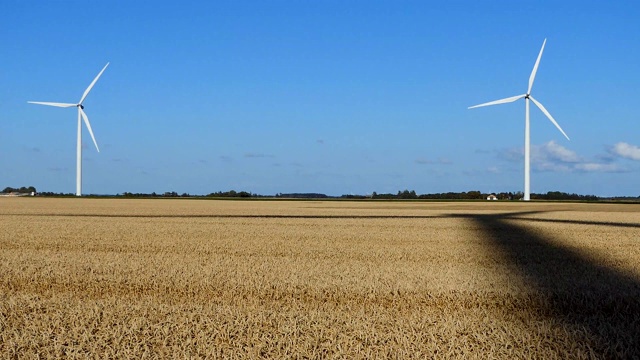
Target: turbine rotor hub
<point>80,106</point>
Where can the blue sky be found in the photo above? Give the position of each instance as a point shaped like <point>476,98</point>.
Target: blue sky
<point>336,97</point>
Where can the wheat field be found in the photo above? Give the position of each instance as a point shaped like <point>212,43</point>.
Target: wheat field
<point>122,278</point>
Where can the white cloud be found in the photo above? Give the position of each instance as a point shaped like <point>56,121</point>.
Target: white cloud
<point>424,161</point>
<point>553,157</point>
<point>257,155</point>
<point>512,154</point>
<point>556,158</point>
<point>627,151</point>
<point>598,167</point>
<point>554,152</point>
<point>551,166</point>
<point>441,161</point>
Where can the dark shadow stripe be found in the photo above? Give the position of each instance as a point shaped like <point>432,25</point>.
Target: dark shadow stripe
<point>578,222</point>
<point>520,216</point>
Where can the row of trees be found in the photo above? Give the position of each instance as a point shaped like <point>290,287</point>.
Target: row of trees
<point>405,194</point>
<point>232,193</point>
<point>302,196</point>
<point>172,194</point>
<point>22,190</point>
<point>477,195</point>
<point>557,195</point>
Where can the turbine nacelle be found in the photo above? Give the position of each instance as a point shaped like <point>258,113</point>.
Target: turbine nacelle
<point>528,96</point>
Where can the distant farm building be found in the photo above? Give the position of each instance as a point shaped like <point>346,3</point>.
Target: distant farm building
<point>492,197</point>
<point>15,193</point>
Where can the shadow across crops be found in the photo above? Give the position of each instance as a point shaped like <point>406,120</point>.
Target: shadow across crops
<point>600,303</point>
<point>578,222</point>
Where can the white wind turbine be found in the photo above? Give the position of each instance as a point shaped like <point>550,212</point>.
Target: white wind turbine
<point>527,97</point>
<point>81,116</point>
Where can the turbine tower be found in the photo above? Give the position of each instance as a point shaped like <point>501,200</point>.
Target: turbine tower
<point>527,145</point>
<point>81,116</point>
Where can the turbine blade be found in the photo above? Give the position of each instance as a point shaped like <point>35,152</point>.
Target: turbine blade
<point>549,116</point>
<point>535,68</point>
<point>64,105</point>
<point>86,121</point>
<point>86,92</point>
<point>501,101</point>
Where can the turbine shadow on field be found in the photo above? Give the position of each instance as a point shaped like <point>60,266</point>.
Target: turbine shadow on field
<point>579,222</point>
<point>601,303</point>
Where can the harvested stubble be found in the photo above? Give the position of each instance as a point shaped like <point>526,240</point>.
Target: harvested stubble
<point>301,279</point>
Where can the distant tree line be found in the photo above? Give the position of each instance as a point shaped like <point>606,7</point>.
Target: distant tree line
<point>232,193</point>
<point>51,193</point>
<point>302,196</point>
<point>623,198</point>
<point>138,195</point>
<point>22,190</point>
<point>173,194</point>
<point>557,195</point>
<point>477,195</point>
<point>400,195</point>
<point>406,194</point>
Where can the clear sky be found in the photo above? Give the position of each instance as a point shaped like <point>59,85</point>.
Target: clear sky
<point>337,97</point>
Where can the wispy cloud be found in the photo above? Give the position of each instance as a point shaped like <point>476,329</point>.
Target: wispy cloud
<point>608,157</point>
<point>32,149</point>
<point>512,154</point>
<point>257,155</point>
<point>626,151</point>
<point>599,167</point>
<point>553,157</point>
<point>556,158</point>
<point>440,161</point>
<point>554,152</point>
<point>493,170</point>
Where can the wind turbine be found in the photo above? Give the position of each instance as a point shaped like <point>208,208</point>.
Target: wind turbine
<point>527,97</point>
<point>81,116</point>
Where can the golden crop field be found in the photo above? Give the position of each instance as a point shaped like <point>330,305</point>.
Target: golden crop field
<point>116,278</point>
